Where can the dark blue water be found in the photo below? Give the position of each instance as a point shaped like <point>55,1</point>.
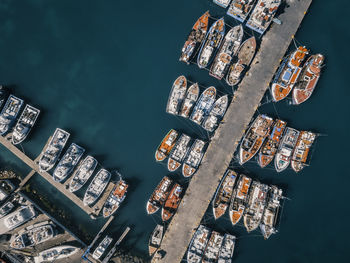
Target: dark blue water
<point>103,71</point>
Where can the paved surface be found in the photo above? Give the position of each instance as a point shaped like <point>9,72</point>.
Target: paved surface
<point>220,151</point>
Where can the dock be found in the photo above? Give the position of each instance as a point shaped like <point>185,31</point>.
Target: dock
<point>223,145</point>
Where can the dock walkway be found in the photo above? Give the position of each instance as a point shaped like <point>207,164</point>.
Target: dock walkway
<point>223,145</point>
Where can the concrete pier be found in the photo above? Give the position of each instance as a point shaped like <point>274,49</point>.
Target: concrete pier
<point>223,145</point>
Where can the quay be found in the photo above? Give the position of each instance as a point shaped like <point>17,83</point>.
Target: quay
<point>220,152</point>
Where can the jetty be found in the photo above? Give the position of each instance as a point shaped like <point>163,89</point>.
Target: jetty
<point>223,145</point>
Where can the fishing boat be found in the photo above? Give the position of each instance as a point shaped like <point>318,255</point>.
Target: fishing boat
<point>239,198</point>
<point>218,110</point>
<point>96,187</point>
<point>212,250</point>
<point>302,149</point>
<point>17,218</point>
<point>223,194</point>
<point>227,51</point>
<point>193,158</point>
<point>115,198</point>
<point>25,123</point>
<point>83,173</point>
<point>195,38</point>
<point>155,239</point>
<point>222,3</point>
<point>262,15</point>
<point>177,95</point>
<point>6,208</point>
<point>55,253</point>
<point>100,250</point>
<point>198,244</point>
<point>245,56</point>
<point>166,145</point>
<point>179,152</point>
<point>172,202</point>
<point>211,43</point>
<point>269,220</point>
<point>285,149</point>
<point>9,113</point>
<point>69,160</point>
<point>308,79</point>
<point>53,149</point>
<point>32,236</point>
<point>204,105</point>
<point>3,95</point>
<point>240,9</point>
<point>254,137</point>
<point>256,205</point>
<point>287,74</point>
<point>159,195</point>
<point>192,95</point>
<point>270,145</point>
<point>227,249</point>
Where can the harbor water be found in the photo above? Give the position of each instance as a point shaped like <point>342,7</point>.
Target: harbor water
<point>102,70</point>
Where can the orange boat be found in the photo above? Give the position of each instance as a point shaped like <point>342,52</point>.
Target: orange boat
<point>239,198</point>
<point>302,149</point>
<point>159,195</point>
<point>223,194</point>
<point>166,145</point>
<point>172,203</point>
<point>195,38</point>
<point>308,79</point>
<point>288,74</point>
<point>254,137</point>
<point>270,146</point>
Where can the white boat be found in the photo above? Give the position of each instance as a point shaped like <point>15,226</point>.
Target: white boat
<point>193,158</point>
<point>211,122</point>
<point>212,250</point>
<point>179,153</point>
<point>100,250</point>
<point>227,249</point>
<point>192,95</point>
<point>55,253</point>
<point>240,9</point>
<point>9,113</point>
<point>204,105</point>
<point>6,208</point>
<point>222,3</point>
<point>17,218</point>
<point>177,95</point>
<point>83,173</point>
<point>198,244</point>
<point>155,239</point>
<point>96,187</point>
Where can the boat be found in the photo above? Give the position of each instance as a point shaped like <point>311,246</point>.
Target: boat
<point>256,205</point>
<point>269,220</point>
<point>270,145</point>
<point>227,249</point>
<point>254,137</point>
<point>177,95</point>
<point>33,236</point>
<point>53,149</point>
<point>198,244</point>
<point>83,173</point>
<point>195,38</point>
<point>172,202</point>
<point>159,195</point>
<point>227,51</point>
<point>155,239</point>
<point>308,79</point>
<point>262,15</point>
<point>179,152</point>
<point>69,160</point>
<point>218,110</point>
<point>211,43</point>
<point>6,188</point>
<point>285,149</point>
<point>211,252</point>
<point>239,198</point>
<point>19,217</point>
<point>98,252</point>
<point>55,253</point>
<point>9,113</point>
<point>302,149</point>
<point>3,95</point>
<point>245,56</point>
<point>222,3</point>
<point>194,158</point>
<point>192,95</point>
<point>287,74</point>
<point>6,208</point>
<point>96,187</point>
<point>240,9</point>
<point>223,193</point>
<point>203,105</point>
<point>166,145</point>
<point>115,198</point>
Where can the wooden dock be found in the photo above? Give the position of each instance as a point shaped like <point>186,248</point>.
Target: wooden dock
<point>223,145</point>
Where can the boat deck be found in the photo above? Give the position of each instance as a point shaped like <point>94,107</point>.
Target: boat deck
<point>223,145</point>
